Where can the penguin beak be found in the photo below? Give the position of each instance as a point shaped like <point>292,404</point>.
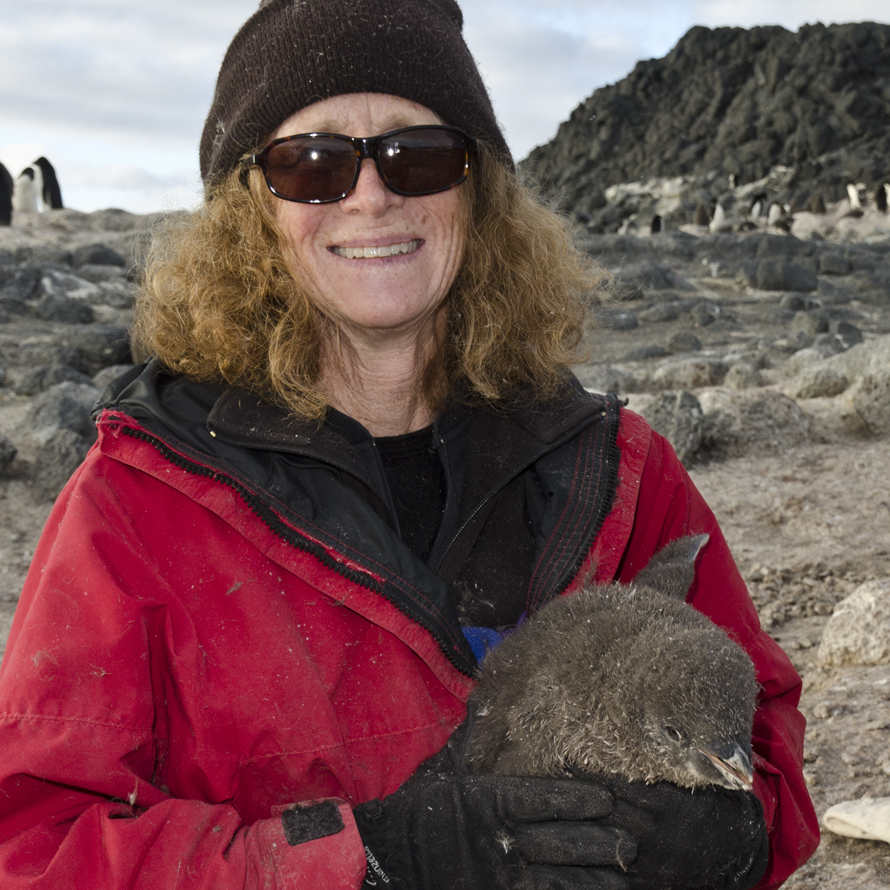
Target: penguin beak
<point>733,763</point>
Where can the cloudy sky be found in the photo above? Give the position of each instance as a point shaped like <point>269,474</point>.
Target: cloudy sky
<point>114,92</point>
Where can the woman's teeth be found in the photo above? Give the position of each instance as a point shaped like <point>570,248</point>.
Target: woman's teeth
<point>360,253</point>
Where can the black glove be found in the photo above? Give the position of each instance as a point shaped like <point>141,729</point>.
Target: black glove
<point>453,831</point>
<point>690,840</point>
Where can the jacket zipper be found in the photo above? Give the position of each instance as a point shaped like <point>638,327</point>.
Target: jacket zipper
<point>614,455</point>
<point>614,459</point>
<point>292,538</point>
<point>472,515</point>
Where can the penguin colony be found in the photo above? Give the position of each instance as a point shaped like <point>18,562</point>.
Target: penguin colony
<point>35,189</point>
<point>5,196</point>
<point>619,679</point>
<point>777,217</point>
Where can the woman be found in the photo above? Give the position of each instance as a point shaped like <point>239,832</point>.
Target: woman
<point>245,638</point>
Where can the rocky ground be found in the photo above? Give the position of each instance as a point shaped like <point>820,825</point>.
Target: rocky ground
<point>803,499</point>
<point>61,334</point>
<point>761,356</point>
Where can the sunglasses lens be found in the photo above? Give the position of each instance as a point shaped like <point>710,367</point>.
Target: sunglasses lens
<point>322,168</point>
<point>423,161</point>
<point>318,168</point>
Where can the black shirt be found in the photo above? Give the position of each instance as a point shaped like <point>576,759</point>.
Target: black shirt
<point>417,485</point>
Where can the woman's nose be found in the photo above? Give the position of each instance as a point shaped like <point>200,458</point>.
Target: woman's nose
<point>370,195</point>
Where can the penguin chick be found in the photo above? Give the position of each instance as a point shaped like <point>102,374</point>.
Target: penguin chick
<point>26,191</point>
<point>619,679</point>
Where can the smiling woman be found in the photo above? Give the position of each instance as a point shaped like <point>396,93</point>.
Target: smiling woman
<point>227,296</point>
<point>356,458</point>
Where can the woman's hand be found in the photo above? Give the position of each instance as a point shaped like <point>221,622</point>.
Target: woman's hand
<point>453,831</point>
<point>690,839</point>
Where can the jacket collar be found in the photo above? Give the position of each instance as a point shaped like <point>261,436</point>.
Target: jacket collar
<point>247,420</point>
<point>500,440</point>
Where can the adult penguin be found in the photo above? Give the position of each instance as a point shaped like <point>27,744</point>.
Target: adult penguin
<point>51,192</point>
<point>5,196</point>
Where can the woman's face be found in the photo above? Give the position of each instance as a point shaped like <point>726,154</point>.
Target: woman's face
<point>373,295</point>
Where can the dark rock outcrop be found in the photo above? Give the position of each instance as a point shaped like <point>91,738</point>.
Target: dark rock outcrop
<point>732,102</point>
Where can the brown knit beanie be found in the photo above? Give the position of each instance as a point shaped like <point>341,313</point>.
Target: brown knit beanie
<point>291,53</point>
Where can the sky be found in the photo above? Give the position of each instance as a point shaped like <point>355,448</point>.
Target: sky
<point>114,92</point>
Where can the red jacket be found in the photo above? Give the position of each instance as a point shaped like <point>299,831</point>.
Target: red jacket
<point>181,668</point>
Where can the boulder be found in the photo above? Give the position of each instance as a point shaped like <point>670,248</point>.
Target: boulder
<point>858,631</point>
<point>604,378</point>
<point>660,313</point>
<point>117,294</point>
<point>68,310</point>
<point>771,246</point>
<point>683,341</point>
<point>690,373</point>
<point>97,273</point>
<point>871,399</point>
<point>20,283</point>
<point>743,375</point>
<point>10,307</point>
<point>740,422</point>
<point>63,406</point>
<point>43,255</point>
<point>799,303</point>
<point>63,284</point>
<point>97,255</point>
<point>99,345</point>
<point>847,333</point>
<point>678,417</point>
<point>808,357</point>
<point>42,354</point>
<point>830,343</point>
<point>865,819</point>
<point>634,277</point>
<point>873,355</point>
<point>782,275</point>
<point>112,372</point>
<point>60,456</point>
<point>39,379</point>
<point>645,353</point>
<point>816,382</point>
<point>810,322</point>
<point>831,263</point>
<point>706,313</point>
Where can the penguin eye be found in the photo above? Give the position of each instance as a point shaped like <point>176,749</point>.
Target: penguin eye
<point>673,733</point>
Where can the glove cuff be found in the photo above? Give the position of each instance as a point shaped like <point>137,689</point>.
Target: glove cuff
<point>376,876</point>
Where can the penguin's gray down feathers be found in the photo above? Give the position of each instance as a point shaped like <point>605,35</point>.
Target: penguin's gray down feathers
<point>618,679</point>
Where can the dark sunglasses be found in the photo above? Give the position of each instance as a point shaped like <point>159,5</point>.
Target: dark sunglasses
<point>320,168</point>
